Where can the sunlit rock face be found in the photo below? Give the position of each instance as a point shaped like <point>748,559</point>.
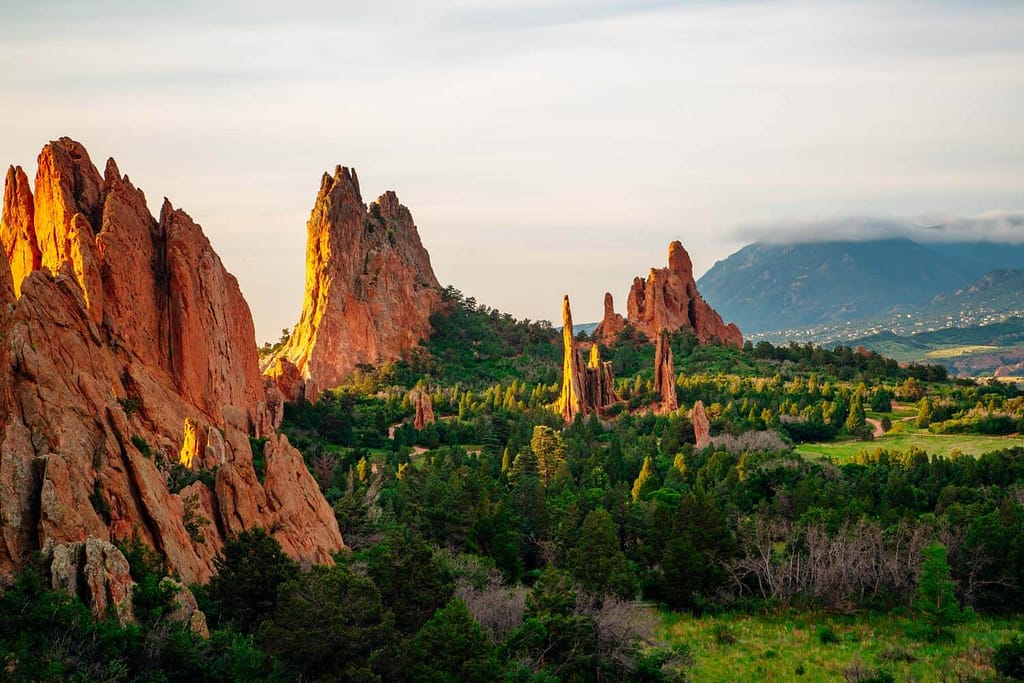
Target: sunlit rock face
<point>587,383</point>
<point>370,289</point>
<point>668,300</point>
<point>128,365</point>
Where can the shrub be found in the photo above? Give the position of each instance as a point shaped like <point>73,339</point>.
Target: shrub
<point>142,445</point>
<point>1008,659</point>
<point>827,636</point>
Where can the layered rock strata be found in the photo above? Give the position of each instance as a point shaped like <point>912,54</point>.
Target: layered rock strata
<point>128,365</point>
<point>587,382</point>
<point>668,300</point>
<point>370,289</point>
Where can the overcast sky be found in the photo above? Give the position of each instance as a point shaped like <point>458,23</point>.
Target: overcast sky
<point>543,147</point>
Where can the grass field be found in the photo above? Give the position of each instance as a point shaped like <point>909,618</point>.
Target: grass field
<point>789,647</point>
<point>956,351</point>
<point>933,444</point>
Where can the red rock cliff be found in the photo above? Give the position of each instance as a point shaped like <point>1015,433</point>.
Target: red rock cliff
<point>126,356</point>
<point>370,289</point>
<point>668,300</point>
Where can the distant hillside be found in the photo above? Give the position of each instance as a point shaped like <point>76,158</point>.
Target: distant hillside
<point>996,349</point>
<point>779,286</point>
<point>992,298</point>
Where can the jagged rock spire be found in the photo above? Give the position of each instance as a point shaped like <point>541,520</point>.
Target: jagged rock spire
<point>587,383</point>
<point>370,289</point>
<point>668,300</point>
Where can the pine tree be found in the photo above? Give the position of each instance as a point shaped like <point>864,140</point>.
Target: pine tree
<point>935,599</point>
<point>856,419</point>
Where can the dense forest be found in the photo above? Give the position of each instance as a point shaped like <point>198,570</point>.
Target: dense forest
<point>500,544</point>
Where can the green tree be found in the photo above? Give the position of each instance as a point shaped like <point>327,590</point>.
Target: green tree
<point>250,567</point>
<point>597,561</point>
<point>935,599</point>
<point>856,418</point>
<point>925,413</point>
<point>451,647</point>
<point>329,622</point>
<point>547,445</point>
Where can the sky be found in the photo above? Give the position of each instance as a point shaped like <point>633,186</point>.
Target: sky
<point>544,148</point>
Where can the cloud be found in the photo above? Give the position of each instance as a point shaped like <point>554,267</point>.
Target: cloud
<point>995,226</point>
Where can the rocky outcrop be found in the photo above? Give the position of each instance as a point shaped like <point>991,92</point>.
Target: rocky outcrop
<point>424,410</point>
<point>665,375</point>
<point>587,383</point>
<point>128,355</point>
<point>701,426</point>
<point>98,573</point>
<point>668,300</point>
<point>185,608</point>
<point>370,289</point>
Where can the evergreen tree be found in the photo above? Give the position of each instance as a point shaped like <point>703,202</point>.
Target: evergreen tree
<point>935,600</point>
<point>856,419</point>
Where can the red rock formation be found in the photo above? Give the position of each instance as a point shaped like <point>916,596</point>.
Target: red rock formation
<point>587,385</point>
<point>669,300</point>
<point>370,289</point>
<point>17,228</point>
<point>611,324</point>
<point>424,410</point>
<point>129,349</point>
<point>701,426</point>
<point>665,375</point>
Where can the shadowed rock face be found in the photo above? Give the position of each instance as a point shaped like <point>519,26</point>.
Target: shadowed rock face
<point>370,289</point>
<point>126,348</point>
<point>668,300</point>
<point>587,384</point>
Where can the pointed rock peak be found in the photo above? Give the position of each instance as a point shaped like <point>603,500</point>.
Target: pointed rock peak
<point>65,164</point>
<point>669,300</point>
<point>345,184</point>
<point>566,315</point>
<point>609,305</point>
<point>679,260</point>
<point>17,227</point>
<point>595,357</point>
<point>388,203</point>
<point>370,288</point>
<point>111,174</point>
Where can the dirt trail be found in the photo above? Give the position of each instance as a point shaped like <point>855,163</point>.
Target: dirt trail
<point>877,425</point>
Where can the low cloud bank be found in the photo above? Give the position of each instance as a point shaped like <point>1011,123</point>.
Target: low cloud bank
<point>996,226</point>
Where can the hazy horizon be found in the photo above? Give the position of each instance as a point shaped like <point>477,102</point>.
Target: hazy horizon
<point>543,148</point>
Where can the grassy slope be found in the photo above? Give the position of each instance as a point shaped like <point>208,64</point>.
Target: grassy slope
<point>933,444</point>
<point>776,647</point>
